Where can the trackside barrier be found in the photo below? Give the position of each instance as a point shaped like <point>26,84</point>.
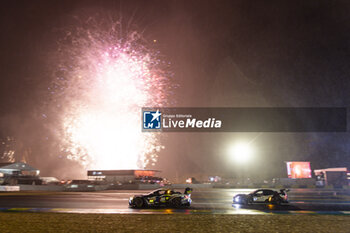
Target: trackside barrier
<point>50,188</point>
<point>148,186</point>
<point>194,186</point>
<point>9,188</point>
<point>265,186</point>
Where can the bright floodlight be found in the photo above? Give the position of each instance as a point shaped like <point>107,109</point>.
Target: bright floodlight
<point>241,152</point>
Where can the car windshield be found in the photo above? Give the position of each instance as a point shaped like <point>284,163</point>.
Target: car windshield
<point>255,192</point>
<point>158,192</point>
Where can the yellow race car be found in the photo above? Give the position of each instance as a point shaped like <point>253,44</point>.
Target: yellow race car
<point>162,197</point>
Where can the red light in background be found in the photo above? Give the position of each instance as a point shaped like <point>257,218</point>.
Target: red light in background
<point>297,170</point>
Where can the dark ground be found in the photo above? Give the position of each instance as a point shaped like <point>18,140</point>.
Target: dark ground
<point>51,222</point>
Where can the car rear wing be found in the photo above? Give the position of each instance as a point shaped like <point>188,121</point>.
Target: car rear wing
<point>284,191</point>
<point>188,190</point>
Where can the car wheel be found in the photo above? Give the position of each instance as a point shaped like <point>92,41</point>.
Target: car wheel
<point>277,201</point>
<point>176,202</point>
<point>13,181</point>
<point>138,202</point>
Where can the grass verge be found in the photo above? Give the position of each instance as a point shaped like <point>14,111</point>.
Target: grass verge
<point>59,222</point>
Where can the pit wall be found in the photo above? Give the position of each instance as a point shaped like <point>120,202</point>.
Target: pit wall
<point>51,188</point>
<point>9,188</point>
<point>194,186</point>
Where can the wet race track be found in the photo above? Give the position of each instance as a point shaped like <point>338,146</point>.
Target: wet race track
<point>205,201</point>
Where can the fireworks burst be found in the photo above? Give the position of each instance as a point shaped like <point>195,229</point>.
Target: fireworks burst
<point>103,80</point>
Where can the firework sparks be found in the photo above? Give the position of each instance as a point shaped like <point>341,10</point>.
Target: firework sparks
<point>102,82</point>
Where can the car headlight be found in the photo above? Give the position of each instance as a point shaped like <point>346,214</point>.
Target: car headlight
<point>237,199</point>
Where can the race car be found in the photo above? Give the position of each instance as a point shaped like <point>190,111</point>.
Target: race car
<point>162,197</point>
<point>262,196</point>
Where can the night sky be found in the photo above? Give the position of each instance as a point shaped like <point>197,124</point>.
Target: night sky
<point>223,54</point>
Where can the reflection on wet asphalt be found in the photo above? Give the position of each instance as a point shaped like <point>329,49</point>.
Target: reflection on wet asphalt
<point>205,201</point>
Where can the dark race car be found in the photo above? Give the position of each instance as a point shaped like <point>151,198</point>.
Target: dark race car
<point>162,197</point>
<point>262,196</point>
